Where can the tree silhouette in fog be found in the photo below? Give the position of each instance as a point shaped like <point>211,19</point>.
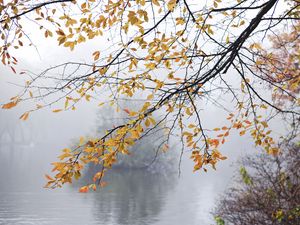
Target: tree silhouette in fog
<point>267,191</point>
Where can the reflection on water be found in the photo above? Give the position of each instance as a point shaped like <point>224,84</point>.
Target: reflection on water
<point>132,197</point>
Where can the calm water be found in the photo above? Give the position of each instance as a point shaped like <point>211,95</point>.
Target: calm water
<point>132,197</point>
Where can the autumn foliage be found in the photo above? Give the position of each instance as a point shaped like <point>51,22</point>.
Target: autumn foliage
<point>179,56</point>
<point>281,65</point>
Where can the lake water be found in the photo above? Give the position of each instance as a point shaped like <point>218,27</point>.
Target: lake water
<point>132,197</point>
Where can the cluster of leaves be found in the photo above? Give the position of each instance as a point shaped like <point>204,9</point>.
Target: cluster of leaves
<point>13,33</point>
<point>267,191</point>
<point>174,54</point>
<point>282,66</point>
<point>150,152</point>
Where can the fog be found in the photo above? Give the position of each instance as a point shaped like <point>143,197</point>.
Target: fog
<point>131,197</point>
<point>27,149</point>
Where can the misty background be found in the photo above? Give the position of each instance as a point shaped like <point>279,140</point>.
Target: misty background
<point>27,149</point>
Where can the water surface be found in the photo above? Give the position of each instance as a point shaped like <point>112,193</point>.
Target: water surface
<point>132,197</point>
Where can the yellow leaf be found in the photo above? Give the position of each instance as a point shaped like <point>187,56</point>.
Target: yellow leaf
<point>150,97</point>
<point>83,5</point>
<point>147,122</point>
<point>255,45</point>
<point>274,151</point>
<point>150,66</point>
<point>242,132</point>
<point>81,39</point>
<point>96,55</point>
<point>81,140</point>
<point>135,134</point>
<point>66,103</point>
<point>132,113</point>
<point>263,106</point>
<point>155,2</point>
<point>152,121</point>
<point>65,155</point>
<point>56,110</point>
<point>227,40</point>
<point>265,124</point>
<point>88,97</point>
<point>171,5</point>
<point>191,126</point>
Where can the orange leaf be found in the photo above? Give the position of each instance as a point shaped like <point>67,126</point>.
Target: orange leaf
<point>9,105</point>
<point>48,177</point>
<point>24,116</point>
<point>127,111</point>
<point>84,189</point>
<point>56,110</point>
<point>96,55</point>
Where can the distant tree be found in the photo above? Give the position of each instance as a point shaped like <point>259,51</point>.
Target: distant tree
<point>177,55</point>
<point>151,153</point>
<point>281,65</point>
<point>267,191</point>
